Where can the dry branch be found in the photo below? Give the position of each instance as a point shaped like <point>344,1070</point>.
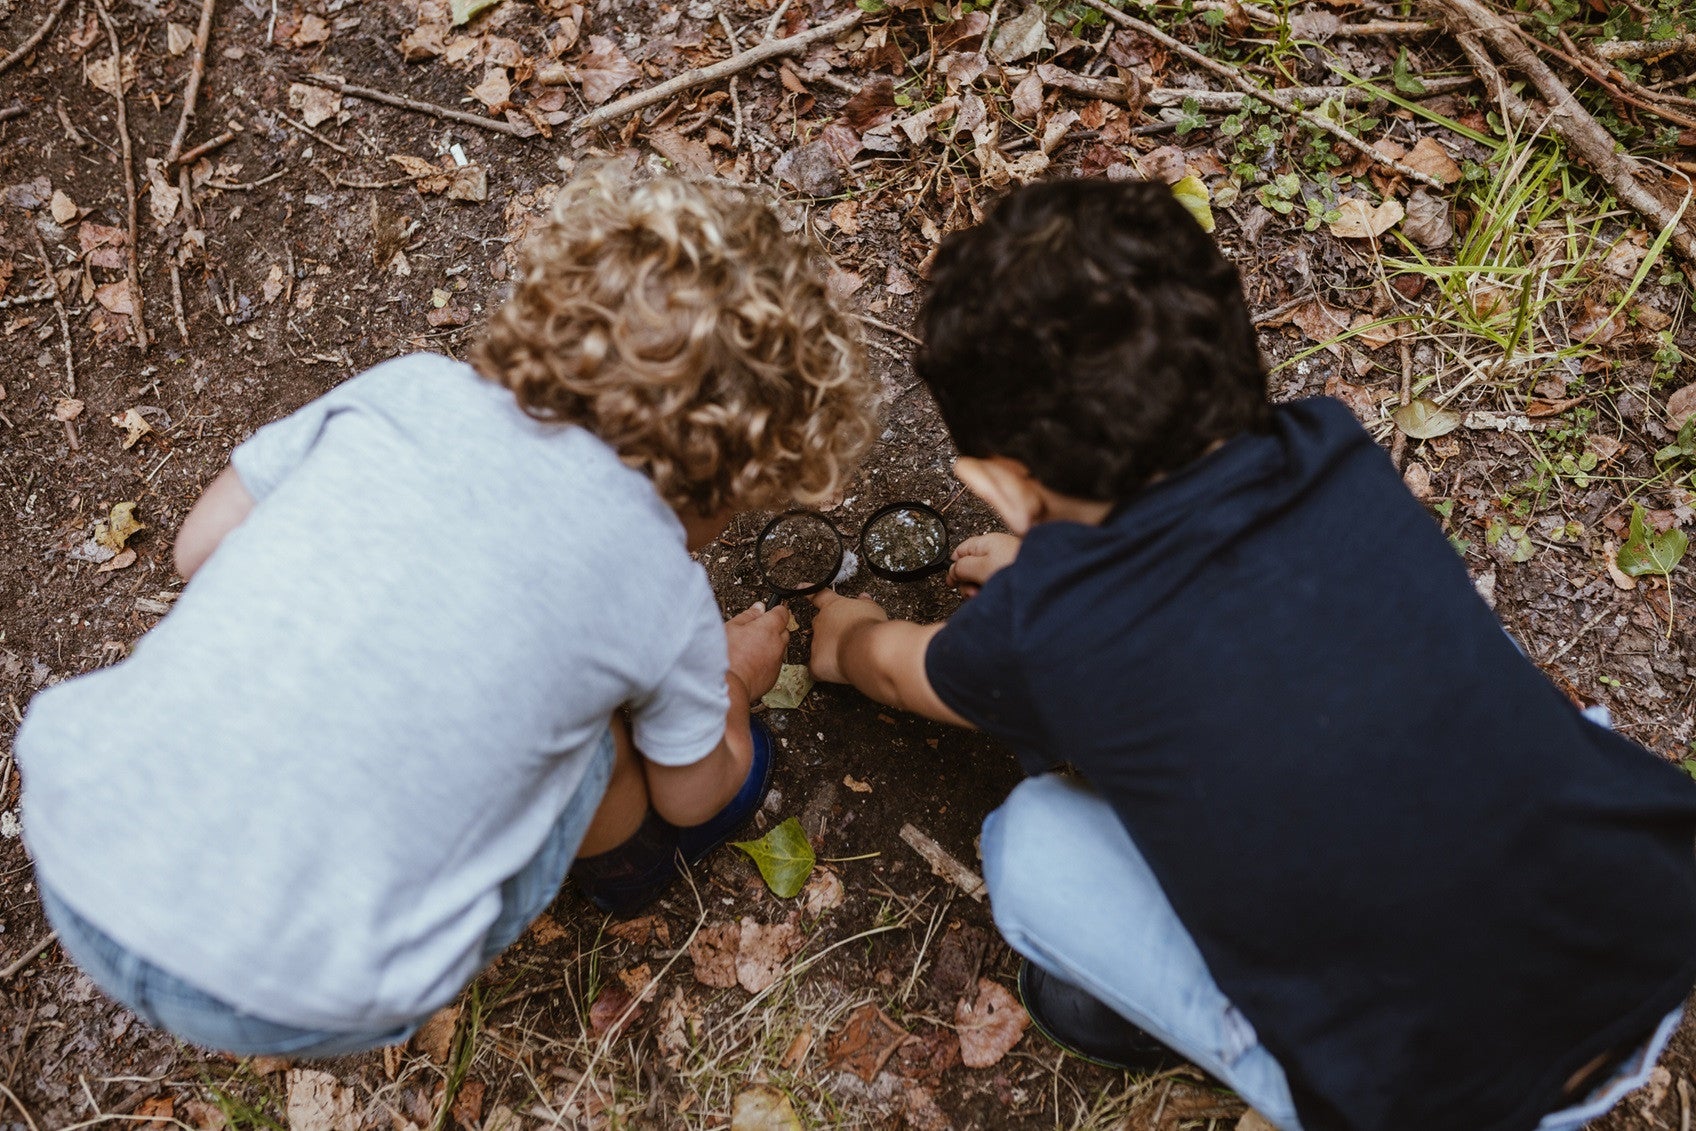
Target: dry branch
<point>1585,137</point>
<point>1639,49</point>
<point>206,147</point>
<point>1264,94</point>
<point>699,76</point>
<point>1230,101</point>
<point>11,112</point>
<point>196,73</point>
<point>943,863</point>
<point>421,107</point>
<point>134,264</point>
<point>39,34</point>
<point>1270,19</point>
<point>58,308</point>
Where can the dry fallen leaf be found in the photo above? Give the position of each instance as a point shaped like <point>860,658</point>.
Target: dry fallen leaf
<point>313,30</point>
<point>435,1037</point>
<point>641,932</point>
<point>713,953</point>
<point>316,104</point>
<point>763,951</point>
<point>67,410</point>
<point>822,893</point>
<point>865,1042</point>
<point>495,91</point>
<point>103,75</point>
<point>273,284</point>
<point>1430,157</point>
<point>317,1103</point>
<point>1427,222</point>
<point>115,297</point>
<point>119,528</point>
<point>603,69</point>
<point>426,177</point>
<point>425,41</point>
<point>468,1104</point>
<point>1681,406</point>
<point>178,38</point>
<point>990,1025</point>
<point>469,182</point>
<point>545,929</point>
<point>1361,220</point>
<point>119,561</point>
<point>1610,554</point>
<point>64,209</point>
<point>134,424</point>
<point>1022,36</point>
<point>763,1108</point>
<point>613,1011</point>
<point>1319,320</point>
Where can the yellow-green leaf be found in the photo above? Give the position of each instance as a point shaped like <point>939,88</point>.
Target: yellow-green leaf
<point>466,10</point>
<point>784,856</point>
<point>1193,195</point>
<point>1644,552</point>
<point>794,681</point>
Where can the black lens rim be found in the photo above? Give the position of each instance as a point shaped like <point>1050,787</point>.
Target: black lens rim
<point>914,574</point>
<point>765,570</point>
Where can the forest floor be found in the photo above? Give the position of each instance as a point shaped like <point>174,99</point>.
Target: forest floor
<point>1465,282</point>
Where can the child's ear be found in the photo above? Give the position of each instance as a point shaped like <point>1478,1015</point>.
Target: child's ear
<point>1006,485</point>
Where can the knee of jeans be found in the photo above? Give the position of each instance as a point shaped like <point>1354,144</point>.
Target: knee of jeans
<point>1015,867</point>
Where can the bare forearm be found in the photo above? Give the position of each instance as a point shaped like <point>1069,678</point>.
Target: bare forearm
<point>885,661</point>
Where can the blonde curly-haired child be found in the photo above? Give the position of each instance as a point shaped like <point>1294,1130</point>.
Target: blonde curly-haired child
<point>443,636</point>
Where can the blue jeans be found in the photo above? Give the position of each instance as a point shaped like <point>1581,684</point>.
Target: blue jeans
<point>167,1002</point>
<point>1110,931</point>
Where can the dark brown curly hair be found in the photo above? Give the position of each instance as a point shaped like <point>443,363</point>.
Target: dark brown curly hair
<point>676,321</point>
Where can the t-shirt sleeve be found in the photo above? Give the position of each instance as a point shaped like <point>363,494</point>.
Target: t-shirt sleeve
<point>265,459</point>
<point>975,667</point>
<point>682,720</point>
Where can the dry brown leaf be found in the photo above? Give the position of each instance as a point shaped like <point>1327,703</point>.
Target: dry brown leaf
<point>1429,157</point>
<point>273,284</point>
<point>67,409</point>
<point>846,216</point>
<point>312,30</point>
<point>1361,220</point>
<point>449,315</point>
<point>649,929</point>
<point>157,1107</point>
<point>115,297</point>
<point>613,1012</point>
<point>503,1118</point>
<point>163,197</point>
<point>495,91</point>
<point>1378,336</point>
<point>1610,554</point>
<point>426,178</point>
<point>1681,405</point>
<point>64,209</point>
<point>315,104</point>
<point>1427,222</point>
<point>425,41</point>
<point>823,892</point>
<point>1599,324</point>
<point>1168,165</point>
<point>435,1037</point>
<point>468,1104</point>
<point>603,70</point>
<point>203,1116</point>
<point>919,1110</point>
<point>1253,1121</point>
<point>178,38</point>
<point>897,281</point>
<point>1027,97</point>
<point>872,105</point>
<point>865,1042</point>
<point>638,981</point>
<point>856,784</point>
<point>763,1108</point>
<point>469,182</point>
<point>762,953</point>
<point>134,424</point>
<point>990,1025</point>
<point>103,75</point>
<point>713,953</point>
<point>545,929</point>
<point>1319,320</point>
<point>685,153</point>
<point>316,1102</point>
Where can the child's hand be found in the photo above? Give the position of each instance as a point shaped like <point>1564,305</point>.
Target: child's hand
<point>837,617</point>
<point>757,637</point>
<point>976,560</point>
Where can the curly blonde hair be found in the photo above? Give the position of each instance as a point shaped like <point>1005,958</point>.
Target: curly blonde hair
<point>676,321</point>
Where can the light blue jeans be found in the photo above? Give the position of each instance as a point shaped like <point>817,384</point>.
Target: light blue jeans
<point>1109,930</point>
<point>169,1003</point>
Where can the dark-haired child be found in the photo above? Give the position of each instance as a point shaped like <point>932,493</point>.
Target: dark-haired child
<point>1331,836</point>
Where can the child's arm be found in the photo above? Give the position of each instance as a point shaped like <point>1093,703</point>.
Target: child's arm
<point>692,794</point>
<point>855,642</point>
<point>221,508</point>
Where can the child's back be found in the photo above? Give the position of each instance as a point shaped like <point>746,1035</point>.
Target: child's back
<point>1337,840</point>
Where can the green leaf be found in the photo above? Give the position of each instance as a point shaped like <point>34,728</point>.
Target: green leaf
<point>1422,419</point>
<point>1644,552</point>
<point>1192,194</point>
<point>464,11</point>
<point>784,856</point>
<point>793,683</point>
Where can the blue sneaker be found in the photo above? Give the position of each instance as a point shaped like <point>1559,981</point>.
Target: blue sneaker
<point>696,841</point>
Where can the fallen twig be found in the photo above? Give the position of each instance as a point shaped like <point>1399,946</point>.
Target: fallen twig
<point>406,103</point>
<point>177,301</point>
<point>887,328</point>
<point>1612,49</point>
<point>943,863</point>
<point>699,76</point>
<point>36,37</point>
<point>26,300</point>
<point>1230,101</point>
<point>1270,19</point>
<point>28,956</point>
<point>1264,94</point>
<point>58,308</point>
<point>206,147</point>
<point>11,112</point>
<point>19,1104</point>
<point>196,73</point>
<point>244,186</point>
<point>342,149</point>
<point>134,265</point>
<point>1583,135</point>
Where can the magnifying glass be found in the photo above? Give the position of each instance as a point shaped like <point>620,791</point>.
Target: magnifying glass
<point>801,552</point>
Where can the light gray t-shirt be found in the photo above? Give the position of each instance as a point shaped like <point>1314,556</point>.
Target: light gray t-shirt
<point>304,788</point>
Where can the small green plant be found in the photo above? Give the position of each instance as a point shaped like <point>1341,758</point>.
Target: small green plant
<point>1668,357</point>
<point>240,1112</point>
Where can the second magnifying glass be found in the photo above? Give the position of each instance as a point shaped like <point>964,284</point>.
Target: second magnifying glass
<point>800,552</point>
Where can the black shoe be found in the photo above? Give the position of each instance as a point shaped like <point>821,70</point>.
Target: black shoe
<point>1086,1028</point>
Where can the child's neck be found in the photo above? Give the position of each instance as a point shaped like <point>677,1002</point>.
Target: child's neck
<point>1066,508</point>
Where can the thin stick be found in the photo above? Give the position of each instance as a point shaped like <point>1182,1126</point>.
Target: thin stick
<point>25,300</point>
<point>59,308</point>
<point>196,72</point>
<point>134,265</point>
<point>1264,94</point>
<point>40,34</point>
<point>943,863</point>
<point>342,149</point>
<point>1590,142</point>
<point>11,112</point>
<point>896,330</point>
<point>243,186</point>
<point>736,64</point>
<point>19,1104</point>
<point>406,103</point>
<point>1638,49</point>
<point>1229,101</point>
<point>177,302</point>
<point>206,147</point>
<point>29,956</point>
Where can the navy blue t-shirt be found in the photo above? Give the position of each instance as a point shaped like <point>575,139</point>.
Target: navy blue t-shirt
<point>1431,884</point>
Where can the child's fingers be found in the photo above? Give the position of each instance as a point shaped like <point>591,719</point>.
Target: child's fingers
<point>825,598</point>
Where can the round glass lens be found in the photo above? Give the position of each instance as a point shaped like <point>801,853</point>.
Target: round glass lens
<point>905,540</point>
<point>799,552</point>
